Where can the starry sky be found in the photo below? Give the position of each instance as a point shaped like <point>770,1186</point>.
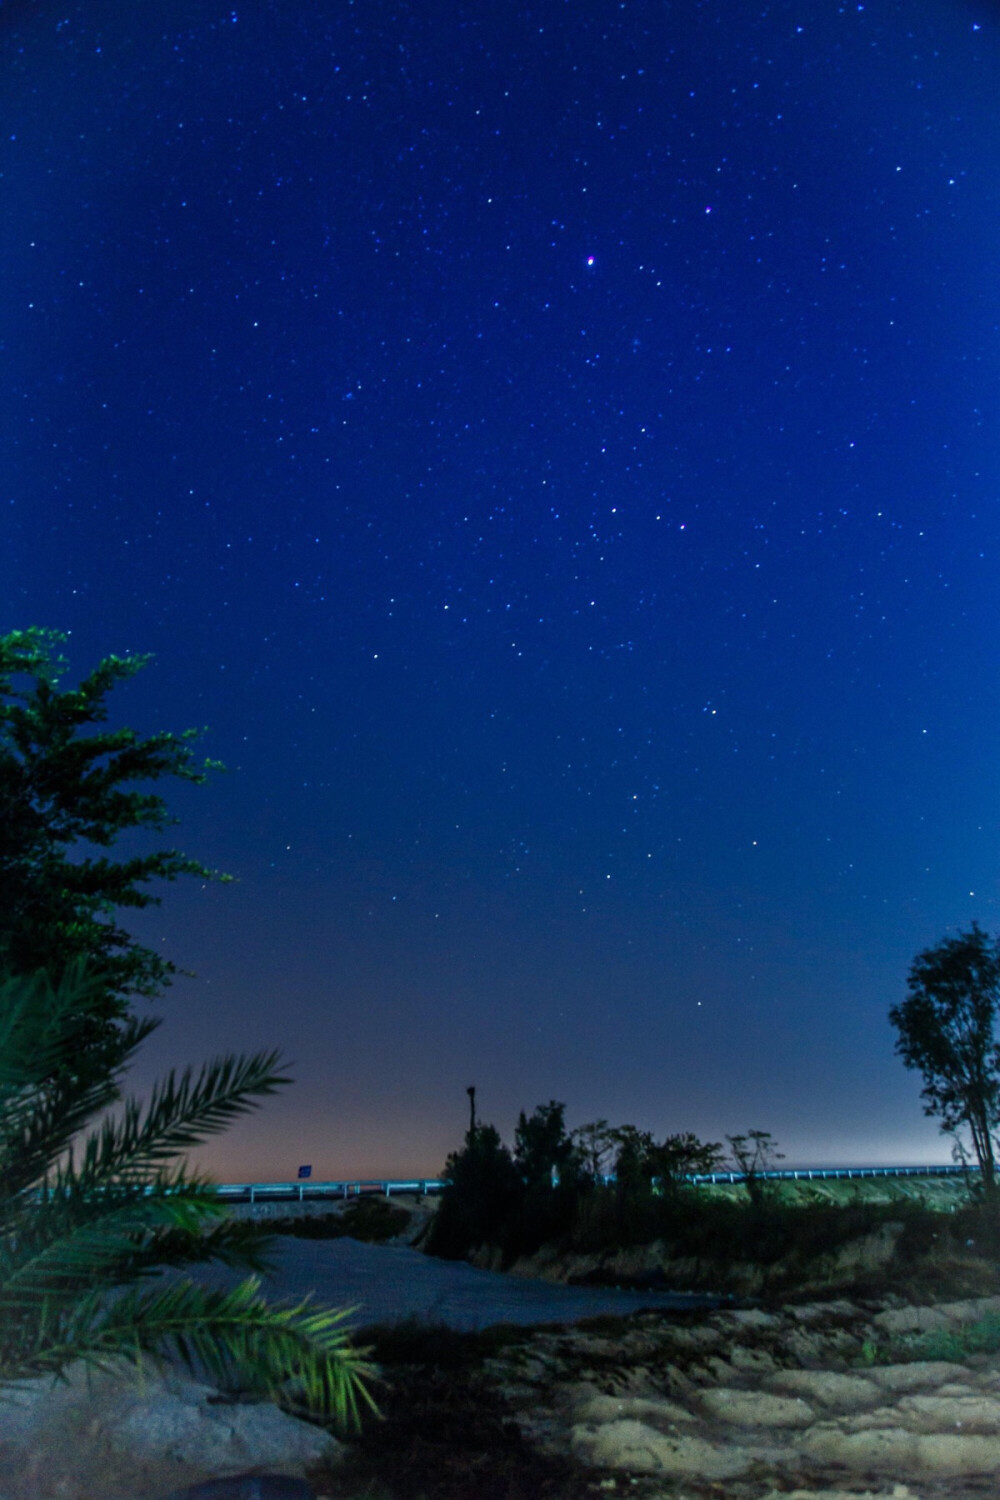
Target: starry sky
<point>554,449</point>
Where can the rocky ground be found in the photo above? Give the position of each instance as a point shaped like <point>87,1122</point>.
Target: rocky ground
<point>822,1400</point>
<point>113,1435</point>
<point>751,1404</point>
<point>834,1398</point>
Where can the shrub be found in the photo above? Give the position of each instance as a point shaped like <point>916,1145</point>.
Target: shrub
<point>482,1191</point>
<point>370,1219</point>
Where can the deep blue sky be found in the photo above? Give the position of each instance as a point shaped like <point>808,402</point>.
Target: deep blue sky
<point>554,448</point>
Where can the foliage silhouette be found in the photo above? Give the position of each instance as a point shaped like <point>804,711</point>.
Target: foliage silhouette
<point>946,1032</point>
<point>754,1154</point>
<point>482,1191</point>
<point>543,1152</point>
<point>595,1142</point>
<point>67,783</point>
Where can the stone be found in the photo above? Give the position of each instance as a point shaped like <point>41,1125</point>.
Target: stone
<point>823,1312</point>
<point>896,1450</point>
<point>971,1309</point>
<point>872,1449</point>
<point>751,1361</point>
<point>599,1408</point>
<point>915,1377</point>
<point>903,1320</point>
<point>741,1408</point>
<point>934,1412</point>
<point>752,1317</point>
<point>661,1406</point>
<point>826,1388</point>
<point>898,1492</point>
<point>641,1449</point>
<point>958,1453</point>
<point>118,1434</point>
<point>877,1416</point>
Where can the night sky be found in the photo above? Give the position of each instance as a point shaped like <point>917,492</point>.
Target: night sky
<point>554,449</point>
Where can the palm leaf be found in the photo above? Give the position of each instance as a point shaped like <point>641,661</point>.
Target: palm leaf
<point>180,1114</point>
<point>83,1226</point>
<point>299,1353</point>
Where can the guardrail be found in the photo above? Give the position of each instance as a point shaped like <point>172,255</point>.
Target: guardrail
<point>298,1192</point>
<point>817,1174</point>
<point>385,1187</point>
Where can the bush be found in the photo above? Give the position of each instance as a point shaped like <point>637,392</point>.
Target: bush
<point>370,1219</point>
<point>482,1193</point>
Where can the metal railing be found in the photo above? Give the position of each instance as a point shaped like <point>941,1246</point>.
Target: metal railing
<point>819,1174</point>
<point>298,1192</point>
<point>385,1187</point>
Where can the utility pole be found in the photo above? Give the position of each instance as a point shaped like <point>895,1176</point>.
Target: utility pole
<point>472,1110</point>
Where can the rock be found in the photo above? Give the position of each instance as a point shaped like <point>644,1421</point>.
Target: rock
<point>970,1412</point>
<point>903,1320</point>
<point>957,1453</point>
<point>886,1449</point>
<point>752,1317</point>
<point>898,1492</point>
<point>904,1378</point>
<point>826,1387</point>
<point>896,1450</point>
<point>598,1408</point>
<point>822,1312</point>
<point>641,1449</point>
<point>696,1338</point>
<point>660,1399</point>
<point>751,1361</point>
<point>971,1309</point>
<point>756,1408</point>
<point>116,1434</point>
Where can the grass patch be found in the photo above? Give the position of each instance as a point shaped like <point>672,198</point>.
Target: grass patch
<point>956,1344</point>
<point>942,1194</point>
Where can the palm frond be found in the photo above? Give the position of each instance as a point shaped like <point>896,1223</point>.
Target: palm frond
<point>38,1020</point>
<point>180,1114</point>
<point>299,1353</point>
<point>132,1245</point>
<point>84,1225</point>
<point>50,1087</point>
